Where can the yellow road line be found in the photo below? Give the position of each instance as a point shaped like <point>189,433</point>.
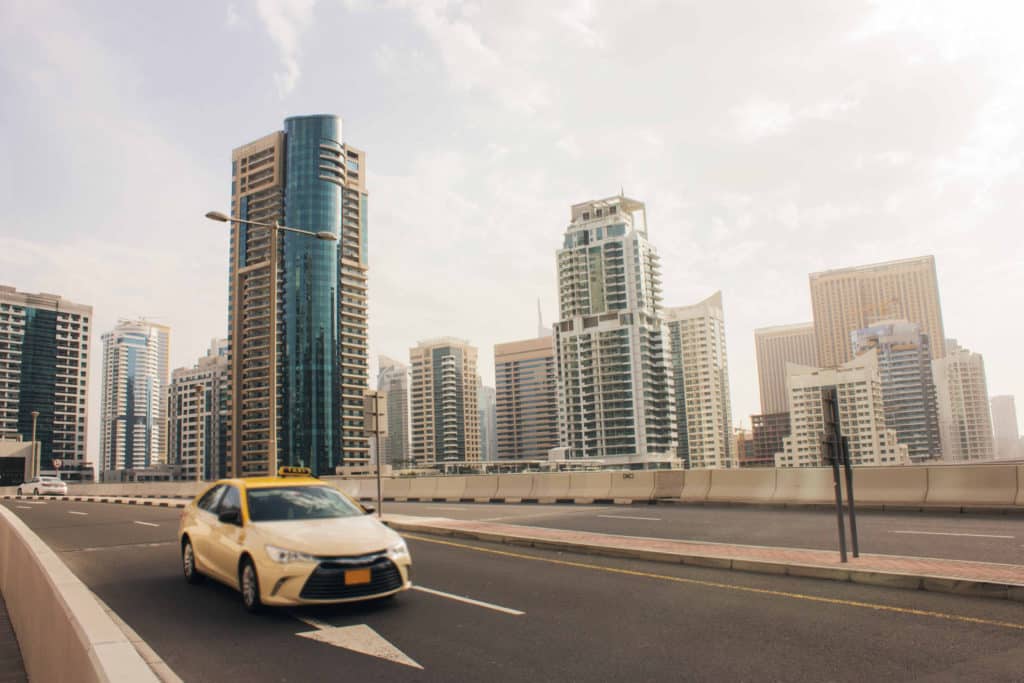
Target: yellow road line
<point>729,586</point>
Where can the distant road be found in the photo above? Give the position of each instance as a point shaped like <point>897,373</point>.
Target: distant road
<point>502,613</point>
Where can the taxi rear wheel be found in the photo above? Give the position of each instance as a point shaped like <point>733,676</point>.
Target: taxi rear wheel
<point>188,563</point>
<point>249,584</point>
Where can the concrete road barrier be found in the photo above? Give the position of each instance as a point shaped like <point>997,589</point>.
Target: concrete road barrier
<point>368,488</point>
<point>396,488</point>
<point>972,485</point>
<point>422,488</point>
<point>890,485</point>
<point>1020,485</point>
<point>586,487</point>
<point>696,486</point>
<point>63,632</point>
<point>632,486</point>
<point>803,485</point>
<point>668,483</point>
<point>480,488</point>
<point>514,488</point>
<point>450,489</point>
<point>752,485</point>
<point>551,487</point>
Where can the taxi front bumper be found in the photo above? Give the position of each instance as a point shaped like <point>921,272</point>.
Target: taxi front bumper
<point>334,580</point>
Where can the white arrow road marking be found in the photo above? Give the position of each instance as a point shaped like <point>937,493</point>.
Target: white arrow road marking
<point>359,638</point>
<point>469,601</point>
<point>76,512</point>
<point>948,533</point>
<point>146,523</point>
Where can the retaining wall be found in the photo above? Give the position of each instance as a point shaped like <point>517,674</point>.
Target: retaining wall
<point>979,485</point>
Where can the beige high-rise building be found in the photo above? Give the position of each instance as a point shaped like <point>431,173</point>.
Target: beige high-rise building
<point>965,423</point>
<point>776,346</point>
<point>700,371</point>
<point>443,402</point>
<point>1005,428</point>
<point>848,299</point>
<point>526,399</point>
<point>297,323</point>
<point>197,409</point>
<point>861,415</point>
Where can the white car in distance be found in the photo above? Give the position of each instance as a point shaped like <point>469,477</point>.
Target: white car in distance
<point>41,486</point>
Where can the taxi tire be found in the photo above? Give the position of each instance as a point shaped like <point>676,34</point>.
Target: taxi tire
<point>250,600</point>
<point>195,577</point>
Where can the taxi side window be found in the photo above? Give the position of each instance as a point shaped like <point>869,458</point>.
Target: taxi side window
<point>210,499</point>
<point>232,499</point>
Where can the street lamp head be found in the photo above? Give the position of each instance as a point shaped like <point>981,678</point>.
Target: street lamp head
<point>35,414</point>
<point>327,236</point>
<point>217,216</point>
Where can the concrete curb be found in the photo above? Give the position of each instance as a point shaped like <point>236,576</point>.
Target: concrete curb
<point>63,631</point>
<point>156,502</point>
<point>933,583</point>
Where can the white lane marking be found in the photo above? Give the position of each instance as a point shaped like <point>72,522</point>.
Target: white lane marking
<point>29,502</point>
<point>452,508</point>
<point>146,523</point>
<point>76,512</point>
<point>948,533</point>
<point>470,601</point>
<point>23,507</point>
<point>649,519</point>
<point>359,638</point>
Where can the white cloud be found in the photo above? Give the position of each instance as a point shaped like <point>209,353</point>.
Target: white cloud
<point>286,21</point>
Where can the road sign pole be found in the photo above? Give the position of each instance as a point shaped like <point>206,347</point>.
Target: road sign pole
<point>833,453</point>
<point>854,544</point>
<point>376,434</point>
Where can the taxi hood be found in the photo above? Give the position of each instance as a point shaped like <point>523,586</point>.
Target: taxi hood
<point>328,537</point>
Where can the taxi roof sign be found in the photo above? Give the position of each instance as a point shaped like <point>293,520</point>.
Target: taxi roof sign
<point>294,472</point>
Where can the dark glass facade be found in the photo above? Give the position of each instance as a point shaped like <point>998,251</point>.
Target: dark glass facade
<point>310,372</point>
<point>37,390</point>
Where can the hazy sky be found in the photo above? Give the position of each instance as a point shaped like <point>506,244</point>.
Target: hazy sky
<point>769,140</point>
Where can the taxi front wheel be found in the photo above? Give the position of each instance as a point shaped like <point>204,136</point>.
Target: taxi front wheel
<point>249,583</point>
<point>188,563</point>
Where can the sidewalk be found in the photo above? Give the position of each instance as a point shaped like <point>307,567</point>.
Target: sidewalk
<point>12,669</point>
<point>984,579</point>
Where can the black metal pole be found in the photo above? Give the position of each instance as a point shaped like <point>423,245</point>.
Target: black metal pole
<point>839,499</point>
<point>854,544</point>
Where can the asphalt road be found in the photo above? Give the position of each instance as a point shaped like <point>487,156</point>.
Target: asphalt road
<point>978,537</point>
<point>582,618</point>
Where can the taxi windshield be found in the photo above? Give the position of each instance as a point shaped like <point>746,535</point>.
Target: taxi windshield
<point>299,502</point>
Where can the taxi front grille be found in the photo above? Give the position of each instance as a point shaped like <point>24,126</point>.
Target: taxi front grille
<point>327,582</point>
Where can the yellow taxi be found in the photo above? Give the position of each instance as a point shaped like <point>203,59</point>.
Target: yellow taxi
<point>290,540</point>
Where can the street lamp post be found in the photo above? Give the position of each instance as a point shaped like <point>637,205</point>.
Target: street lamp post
<point>274,227</point>
<point>36,465</point>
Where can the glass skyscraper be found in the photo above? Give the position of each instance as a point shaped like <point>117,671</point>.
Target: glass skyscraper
<point>297,322</point>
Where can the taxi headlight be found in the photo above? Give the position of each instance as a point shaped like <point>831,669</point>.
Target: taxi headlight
<point>284,556</point>
<point>398,548</point>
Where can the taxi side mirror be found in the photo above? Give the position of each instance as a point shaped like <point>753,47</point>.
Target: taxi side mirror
<point>369,509</point>
<point>233,516</point>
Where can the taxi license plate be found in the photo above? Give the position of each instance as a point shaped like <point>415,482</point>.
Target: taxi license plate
<point>356,576</point>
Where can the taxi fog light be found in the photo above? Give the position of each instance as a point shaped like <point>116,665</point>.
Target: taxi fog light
<point>284,556</point>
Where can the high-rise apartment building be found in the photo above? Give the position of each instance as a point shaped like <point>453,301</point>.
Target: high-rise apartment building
<point>298,306</point>
<point>965,423</point>
<point>197,412</point>
<point>908,390</point>
<point>615,396</point>
<point>1005,429</point>
<point>526,399</point>
<point>775,347</point>
<point>393,379</point>
<point>44,368</point>
<point>486,398</point>
<point>443,402</point>
<point>700,370</point>
<point>861,415</point>
<point>133,432</point>
<point>770,431</point>
<point>849,299</point>
<point>744,448</point>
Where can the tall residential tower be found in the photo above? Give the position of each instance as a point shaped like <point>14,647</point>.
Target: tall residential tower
<point>444,404</point>
<point>965,422</point>
<point>615,396</point>
<point>527,404</point>
<point>297,319</point>
<point>393,379</point>
<point>776,346</point>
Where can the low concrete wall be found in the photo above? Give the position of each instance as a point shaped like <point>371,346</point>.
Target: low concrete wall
<point>631,486</point>
<point>62,630</point>
<point>422,488</point>
<point>981,485</point>
<point>890,485</point>
<point>480,488</point>
<point>450,488</point>
<point>751,485</point>
<point>586,487</point>
<point>513,488</point>
<point>805,485</point>
<point>551,487</point>
<point>696,486</point>
<point>668,483</point>
<point>397,489</point>
<point>1020,485</point>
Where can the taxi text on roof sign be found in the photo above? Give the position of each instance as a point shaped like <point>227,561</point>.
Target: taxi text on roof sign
<point>294,472</point>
